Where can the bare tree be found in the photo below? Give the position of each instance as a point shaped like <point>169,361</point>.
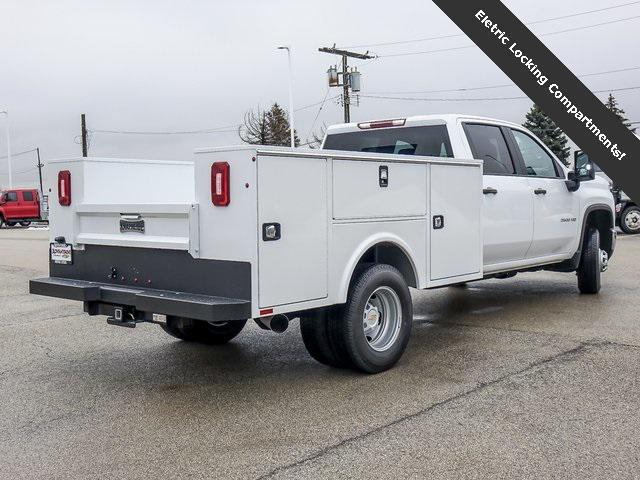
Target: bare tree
<point>267,128</point>
<point>254,129</point>
<point>317,138</point>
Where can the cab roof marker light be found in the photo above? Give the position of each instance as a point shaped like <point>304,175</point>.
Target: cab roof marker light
<point>398,122</point>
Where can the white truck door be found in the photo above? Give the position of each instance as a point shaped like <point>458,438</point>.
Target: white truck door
<point>555,208</point>
<point>507,202</point>
<point>292,198</point>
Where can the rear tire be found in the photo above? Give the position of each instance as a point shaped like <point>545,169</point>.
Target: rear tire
<point>210,333</point>
<point>317,338</point>
<point>376,323</point>
<point>25,224</point>
<point>589,269</point>
<point>630,220</point>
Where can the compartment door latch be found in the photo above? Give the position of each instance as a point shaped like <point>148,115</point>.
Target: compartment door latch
<point>270,232</point>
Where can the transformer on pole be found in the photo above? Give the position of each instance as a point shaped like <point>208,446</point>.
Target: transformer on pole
<point>348,79</point>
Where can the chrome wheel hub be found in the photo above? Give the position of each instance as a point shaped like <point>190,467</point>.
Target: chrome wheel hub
<point>632,220</point>
<point>604,260</point>
<point>382,318</point>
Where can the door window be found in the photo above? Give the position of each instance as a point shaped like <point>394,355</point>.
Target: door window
<point>11,196</point>
<point>488,144</point>
<point>27,196</point>
<point>536,159</point>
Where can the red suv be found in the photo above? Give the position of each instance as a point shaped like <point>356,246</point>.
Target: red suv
<point>19,206</point>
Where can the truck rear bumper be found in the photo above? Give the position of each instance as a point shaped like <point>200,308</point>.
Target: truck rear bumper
<point>143,302</point>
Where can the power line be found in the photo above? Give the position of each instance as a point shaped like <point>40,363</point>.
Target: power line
<point>19,153</point>
<point>21,171</point>
<point>485,99</point>
<point>405,54</point>
<point>222,129</point>
<point>440,37</point>
<point>183,132</point>
<point>504,85</point>
<point>313,125</point>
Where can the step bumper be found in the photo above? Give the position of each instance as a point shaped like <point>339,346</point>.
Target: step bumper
<point>143,300</point>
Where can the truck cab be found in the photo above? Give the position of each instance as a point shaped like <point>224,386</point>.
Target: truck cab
<point>19,206</point>
<point>531,216</point>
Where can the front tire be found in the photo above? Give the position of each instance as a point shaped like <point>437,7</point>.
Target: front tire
<point>589,270</point>
<point>11,224</point>
<point>376,323</point>
<point>630,220</point>
<point>210,333</point>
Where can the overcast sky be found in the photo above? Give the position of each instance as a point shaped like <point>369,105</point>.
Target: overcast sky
<point>189,65</point>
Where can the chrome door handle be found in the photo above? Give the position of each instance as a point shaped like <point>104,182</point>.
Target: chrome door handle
<point>489,191</point>
<point>540,191</point>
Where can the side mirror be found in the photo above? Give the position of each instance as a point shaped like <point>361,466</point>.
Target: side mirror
<point>572,182</point>
<point>584,168</point>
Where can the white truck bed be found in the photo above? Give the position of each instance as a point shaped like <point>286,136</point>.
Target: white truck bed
<point>331,208</point>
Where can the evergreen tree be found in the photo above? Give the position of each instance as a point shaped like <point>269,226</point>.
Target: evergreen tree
<point>548,132</point>
<point>267,128</point>
<point>612,104</point>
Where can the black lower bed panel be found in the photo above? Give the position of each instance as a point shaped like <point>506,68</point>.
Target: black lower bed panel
<point>170,282</point>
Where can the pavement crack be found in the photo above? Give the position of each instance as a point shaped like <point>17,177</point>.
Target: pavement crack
<point>478,387</point>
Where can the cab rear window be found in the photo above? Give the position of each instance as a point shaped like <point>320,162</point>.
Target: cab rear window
<point>432,141</point>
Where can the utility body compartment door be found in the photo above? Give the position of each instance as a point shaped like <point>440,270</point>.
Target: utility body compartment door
<point>369,189</point>
<point>292,198</point>
<point>456,223</point>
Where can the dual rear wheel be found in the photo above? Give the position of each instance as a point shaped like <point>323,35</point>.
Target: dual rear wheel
<point>211,333</point>
<point>368,333</point>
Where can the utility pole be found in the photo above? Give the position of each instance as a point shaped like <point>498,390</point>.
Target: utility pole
<point>83,126</point>
<point>350,79</point>
<point>40,165</point>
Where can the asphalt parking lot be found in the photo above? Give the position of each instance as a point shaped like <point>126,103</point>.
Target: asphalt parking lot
<point>518,378</point>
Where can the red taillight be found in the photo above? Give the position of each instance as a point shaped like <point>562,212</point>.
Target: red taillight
<point>220,195</point>
<point>399,122</point>
<point>64,188</point>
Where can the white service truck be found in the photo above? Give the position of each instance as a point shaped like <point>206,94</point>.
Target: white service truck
<point>334,236</point>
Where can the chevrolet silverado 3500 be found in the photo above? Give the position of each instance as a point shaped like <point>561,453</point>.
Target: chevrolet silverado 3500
<point>334,236</point>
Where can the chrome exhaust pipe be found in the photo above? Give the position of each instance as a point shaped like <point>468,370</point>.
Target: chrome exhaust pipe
<point>277,323</point>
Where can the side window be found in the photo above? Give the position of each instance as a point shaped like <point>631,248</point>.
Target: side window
<point>488,144</point>
<point>27,196</point>
<point>536,159</point>
<point>12,196</point>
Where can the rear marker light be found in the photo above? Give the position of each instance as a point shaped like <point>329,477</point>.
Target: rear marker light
<point>220,194</point>
<point>266,311</point>
<point>399,122</point>
<point>64,188</point>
